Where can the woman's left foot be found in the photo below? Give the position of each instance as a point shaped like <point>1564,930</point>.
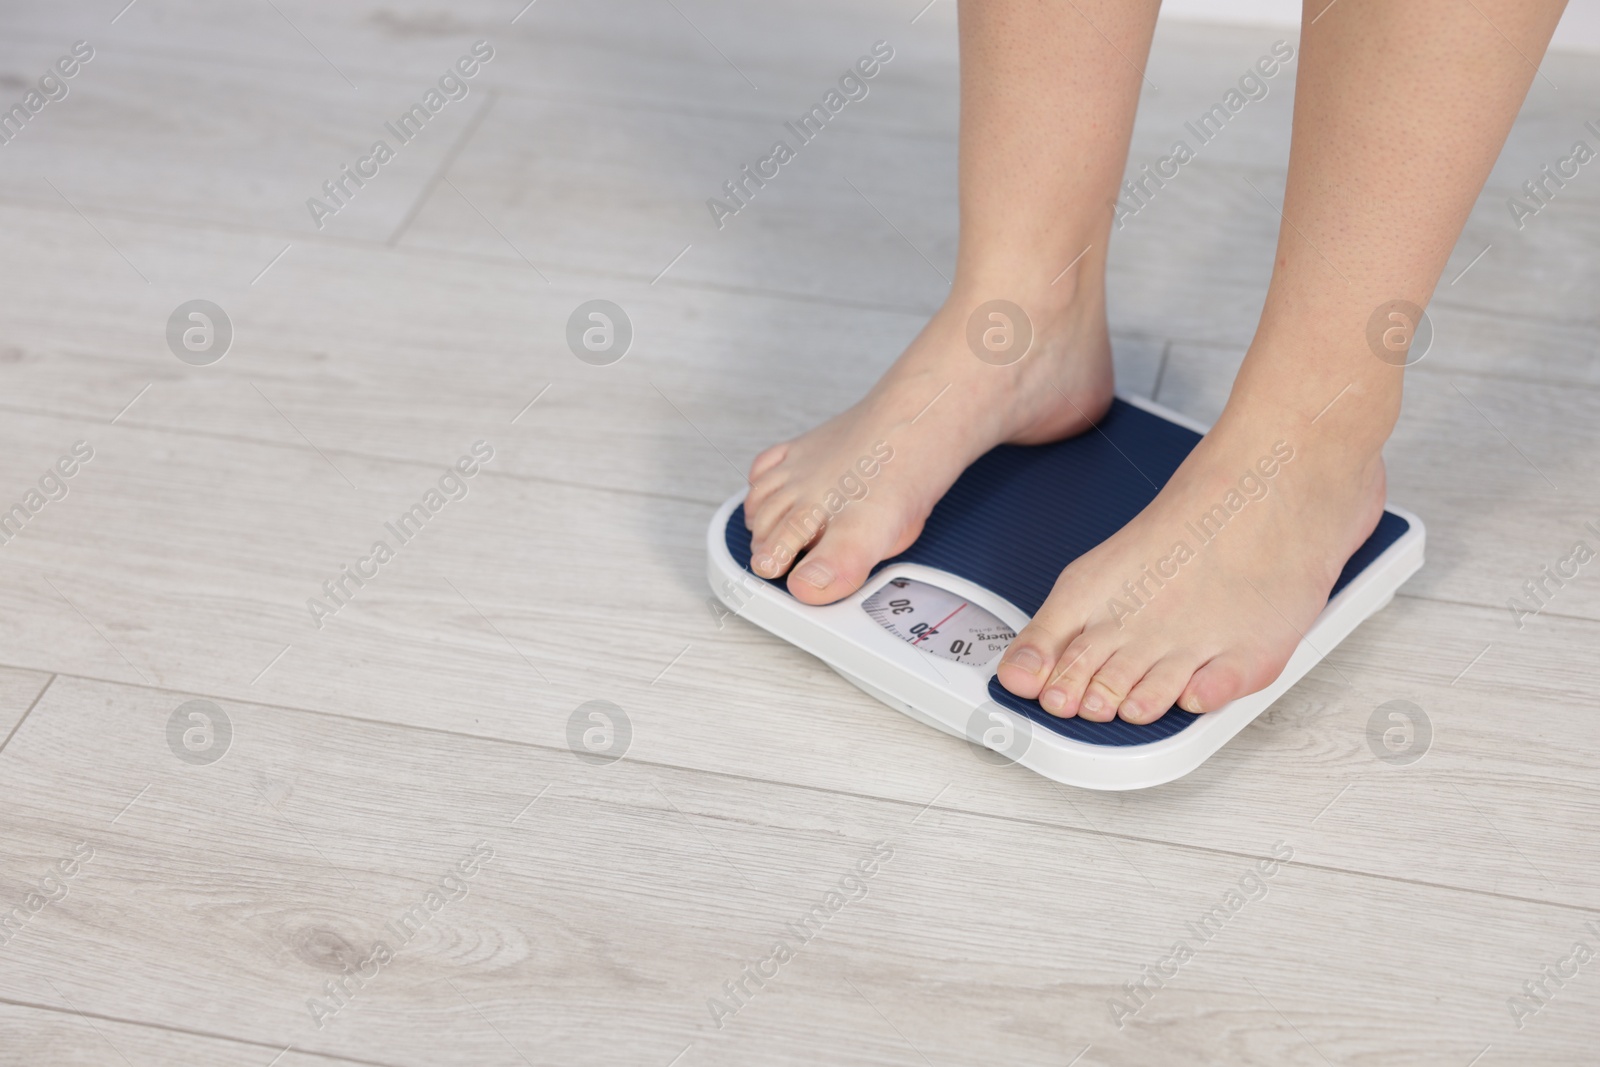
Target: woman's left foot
<point>1204,596</point>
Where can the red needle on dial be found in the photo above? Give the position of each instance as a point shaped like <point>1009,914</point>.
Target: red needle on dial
<point>935,627</point>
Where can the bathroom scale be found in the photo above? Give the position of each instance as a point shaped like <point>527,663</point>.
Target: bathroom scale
<point>926,631</point>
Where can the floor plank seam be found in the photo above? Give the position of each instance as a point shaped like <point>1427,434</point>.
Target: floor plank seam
<point>1423,367</point>
<point>1161,371</point>
<point>36,698</point>
<point>208,1034</point>
<point>1489,607</point>
<point>426,193</point>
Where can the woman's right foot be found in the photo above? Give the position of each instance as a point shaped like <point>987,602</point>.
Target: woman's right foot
<point>857,489</point>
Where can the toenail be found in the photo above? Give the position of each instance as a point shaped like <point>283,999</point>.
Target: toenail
<point>1053,700</point>
<point>1131,713</point>
<point>1026,659</point>
<point>1191,704</point>
<point>1093,703</point>
<point>815,572</point>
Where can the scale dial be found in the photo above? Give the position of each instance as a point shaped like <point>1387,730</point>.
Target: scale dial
<point>938,622</point>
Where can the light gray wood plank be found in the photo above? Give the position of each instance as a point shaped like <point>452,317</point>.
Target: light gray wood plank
<point>204,139</point>
<point>890,239</point>
<point>620,901</point>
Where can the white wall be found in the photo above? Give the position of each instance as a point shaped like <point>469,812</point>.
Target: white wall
<point>1579,30</point>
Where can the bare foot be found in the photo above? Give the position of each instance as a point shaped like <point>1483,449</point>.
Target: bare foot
<point>857,489</point>
<point>1203,597</point>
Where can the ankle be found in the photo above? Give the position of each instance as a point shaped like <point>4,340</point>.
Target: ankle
<point>1343,452</point>
<point>1064,303</point>
<point>1304,383</point>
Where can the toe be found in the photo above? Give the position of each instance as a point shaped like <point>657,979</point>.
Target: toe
<point>1070,674</point>
<point>1112,683</point>
<point>771,561</point>
<point>1219,681</point>
<point>767,515</point>
<point>843,558</point>
<point>1049,643</point>
<point>767,460</point>
<point>1031,658</point>
<point>786,537</point>
<point>769,494</point>
<point>1159,689</point>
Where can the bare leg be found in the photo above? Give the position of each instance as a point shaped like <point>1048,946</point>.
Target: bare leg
<point>1400,111</point>
<point>1048,94</point>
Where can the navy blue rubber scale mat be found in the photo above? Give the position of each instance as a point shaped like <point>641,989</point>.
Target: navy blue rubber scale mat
<point>1020,514</point>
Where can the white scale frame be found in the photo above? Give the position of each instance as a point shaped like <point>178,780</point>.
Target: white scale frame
<point>945,694</point>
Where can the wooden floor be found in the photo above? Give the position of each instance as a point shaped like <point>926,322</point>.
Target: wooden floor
<point>170,910</point>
